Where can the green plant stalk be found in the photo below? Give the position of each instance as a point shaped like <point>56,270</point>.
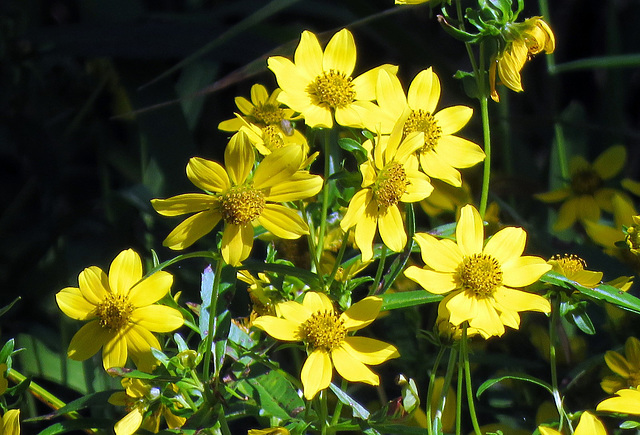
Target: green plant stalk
<point>562,151</point>
<point>213,308</point>
<point>486,174</point>
<point>376,281</point>
<point>324,412</point>
<point>224,427</point>
<point>337,410</point>
<point>315,261</point>
<point>553,338</point>
<point>432,379</point>
<point>544,10</point>
<point>325,194</point>
<point>336,265</point>
<point>464,350</point>
<point>459,394</point>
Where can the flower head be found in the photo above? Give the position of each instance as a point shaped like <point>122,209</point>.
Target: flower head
<point>442,153</point>
<point>122,312</point>
<point>574,268</point>
<point>626,368</point>
<point>389,176</point>
<point>241,197</point>
<point>586,195</point>
<point>480,280</point>
<point>588,425</point>
<point>626,401</point>
<point>326,334</point>
<point>319,84</point>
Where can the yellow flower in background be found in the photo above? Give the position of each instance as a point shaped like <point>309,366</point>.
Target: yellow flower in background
<point>319,85</point>
<point>627,401</point>
<point>10,422</point>
<point>270,138</point>
<point>586,195</point>
<point>442,153</point>
<point>241,197</point>
<point>411,2</point>
<point>270,431</point>
<point>326,334</point>
<point>480,280</point>
<point>626,368</point>
<point>574,268</point>
<point>122,312</point>
<point>587,425</point>
<point>607,236</point>
<point>389,176</point>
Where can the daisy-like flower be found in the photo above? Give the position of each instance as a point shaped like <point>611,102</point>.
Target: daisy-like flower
<point>319,85</point>
<point>389,176</point>
<point>626,401</point>
<point>10,422</point>
<point>586,195</point>
<point>574,268</point>
<point>626,368</point>
<point>480,280</point>
<point>442,153</point>
<point>326,334</point>
<point>271,137</point>
<point>122,312</point>
<point>588,425</point>
<point>241,198</point>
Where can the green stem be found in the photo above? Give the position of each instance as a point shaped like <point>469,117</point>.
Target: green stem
<point>224,427</point>
<point>325,193</point>
<point>553,338</point>
<point>486,133</point>
<point>467,376</point>
<point>544,10</point>
<point>459,394</point>
<point>338,261</point>
<point>213,308</point>
<point>315,260</point>
<point>376,281</point>
<point>338,409</point>
<point>561,146</point>
<point>432,380</point>
<point>324,412</point>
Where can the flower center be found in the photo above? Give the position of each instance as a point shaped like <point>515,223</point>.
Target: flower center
<point>114,311</point>
<point>391,184</point>
<point>585,182</point>
<point>419,120</point>
<point>267,114</point>
<point>333,89</point>
<point>570,263</point>
<point>324,330</point>
<point>481,274</point>
<point>633,238</point>
<point>272,136</point>
<point>241,204</point>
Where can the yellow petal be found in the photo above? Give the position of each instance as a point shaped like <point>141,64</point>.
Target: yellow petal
<point>436,167</point>
<point>587,278</point>
<point>390,94</point>
<point>470,231</point>
<point>617,363</point>
<point>459,152</point>
<point>518,300</point>
<point>239,158</point>
<point>603,235</point>
<point>282,221</point>
<point>207,175</point>
<point>452,119</point>
<point>627,402</point>
<point>140,341</point>
<point>588,208</point>
<point>315,116</point>
<point>183,204</point>
<point>362,313</point>
<point>356,208</point>
<point>487,320</point>
<point>115,352</point>
<point>632,352</point>
<point>308,55</point>
<point>259,94</point>
<point>130,423</point>
<point>523,271</point>
<point>301,185</point>
<point>157,318</point>
<point>340,53</point>
<point>506,244</point>
<point>391,228</point>
<point>317,302</point>
<point>604,198</point>
<point>610,162</point>
<point>567,215</point>
<point>233,124</point>
<point>290,78</point>
<point>548,431</point>
<point>151,289</point>
<point>354,115</point>
<point>237,241</point>
<point>365,84</point>
<point>441,255</point>
<point>554,196</point>
<point>192,229</point>
<point>351,368</point>
<point>125,271</point>
<point>366,231</point>
<point>462,306</point>
<point>434,282</point>
<point>424,91</point>
<point>294,311</point>
<point>245,106</point>
<point>280,329</point>
<point>589,425</point>
<point>88,341</point>
<point>278,167</point>
<point>73,304</point>
<point>10,422</point>
<point>369,350</point>
<point>611,384</point>
<point>316,373</point>
<point>93,284</point>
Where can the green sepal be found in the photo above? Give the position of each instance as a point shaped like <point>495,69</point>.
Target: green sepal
<point>457,33</point>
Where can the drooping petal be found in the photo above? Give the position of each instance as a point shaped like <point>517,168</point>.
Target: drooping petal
<point>280,329</point>
<point>301,185</point>
<point>369,350</point>
<point>459,152</point>
<point>316,373</point>
<point>487,320</point>
<point>317,302</point>
<point>237,241</point>
<point>278,167</point>
<point>115,352</point>
<point>192,229</point>
<point>351,369</point>
<point>308,55</point>
<point>452,119</point>
<point>207,175</point>
<point>151,289</point>
<point>157,318</point>
<point>391,228</point>
<point>183,204</point>
<point>88,341</point>
<point>10,423</point>
<point>462,306</point>
<point>436,167</point>
<point>506,244</point>
<point>130,423</point>
<point>125,271</point>
<point>470,231</point>
<point>523,271</point>
<point>441,255</point>
<point>366,230</point>
<point>356,208</point>
<point>239,158</point>
<point>139,343</point>
<point>340,53</point>
<point>626,402</point>
<point>590,425</point>
<point>610,162</point>
<point>424,91</point>
<point>362,313</point>
<point>434,282</point>
<point>282,221</point>
<point>71,301</point>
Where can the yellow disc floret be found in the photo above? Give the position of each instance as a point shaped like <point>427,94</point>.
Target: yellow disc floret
<point>481,274</point>
<point>419,120</point>
<point>333,89</point>
<point>267,114</point>
<point>570,263</point>
<point>324,330</point>
<point>114,311</point>
<point>241,205</point>
<point>391,184</point>
<point>585,182</point>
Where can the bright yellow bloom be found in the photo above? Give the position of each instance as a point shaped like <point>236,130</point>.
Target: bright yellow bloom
<point>627,401</point>
<point>479,280</point>
<point>586,195</point>
<point>389,176</point>
<point>533,36</point>
<point>269,138</point>
<point>588,425</point>
<point>326,334</point>
<point>626,368</point>
<point>442,153</point>
<point>573,267</point>
<point>241,198</point>
<point>10,422</point>
<point>411,2</point>
<point>319,85</point>
<point>270,431</point>
<point>121,311</point>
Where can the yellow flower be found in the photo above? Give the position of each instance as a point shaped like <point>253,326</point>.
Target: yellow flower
<point>10,422</point>
<point>626,402</point>
<point>270,431</point>
<point>389,176</point>
<point>573,267</point>
<point>623,216</point>
<point>319,85</point>
<point>442,153</point>
<point>326,334</point>
<point>411,2</point>
<point>588,425</point>
<point>262,110</point>
<point>627,370</point>
<point>241,198</point>
<point>532,36</point>
<point>121,311</point>
<point>586,195</point>
<point>479,279</point>
<point>270,137</point>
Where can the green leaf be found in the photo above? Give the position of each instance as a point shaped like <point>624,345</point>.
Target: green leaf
<point>519,377</point>
<point>98,399</point>
<point>7,350</point>
<point>629,424</point>
<point>393,301</point>
<point>6,308</point>
<point>276,396</point>
<point>581,319</point>
<point>76,425</point>
<point>310,278</point>
<point>359,411</point>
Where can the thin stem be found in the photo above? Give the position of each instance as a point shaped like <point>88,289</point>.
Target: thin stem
<point>325,193</point>
<point>224,427</point>
<point>338,261</point>
<point>467,377</point>
<point>486,133</point>
<point>324,412</point>
<point>213,308</point>
<point>459,394</point>
<point>432,380</point>
<point>315,260</point>
<point>376,281</point>
<point>561,146</point>
<point>553,338</point>
<point>338,409</point>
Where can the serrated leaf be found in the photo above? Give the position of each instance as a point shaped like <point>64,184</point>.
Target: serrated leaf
<point>359,411</point>
<point>393,301</point>
<point>519,377</point>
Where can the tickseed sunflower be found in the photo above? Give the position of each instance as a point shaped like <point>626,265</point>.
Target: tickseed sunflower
<point>270,137</point>
<point>480,280</point>
<point>389,176</point>
<point>319,85</point>
<point>241,198</point>
<point>574,268</point>
<point>326,335</point>
<point>442,153</point>
<point>626,368</point>
<point>587,425</point>
<point>122,312</point>
<point>626,401</point>
<point>586,194</point>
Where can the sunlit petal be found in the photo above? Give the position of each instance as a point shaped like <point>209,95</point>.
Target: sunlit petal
<point>316,373</point>
<point>434,282</point>
<point>361,313</point>
<point>88,341</point>
<point>74,304</point>
<point>192,229</point>
<point>470,231</point>
<point>125,271</point>
<point>523,271</point>
<point>280,329</point>
<point>237,241</point>
<point>282,221</point>
<point>183,204</point>
<point>151,289</point>
<point>506,244</point>
<point>157,318</point>
<point>207,175</point>
<point>369,350</point>
<point>340,53</point>
<point>351,369</point>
